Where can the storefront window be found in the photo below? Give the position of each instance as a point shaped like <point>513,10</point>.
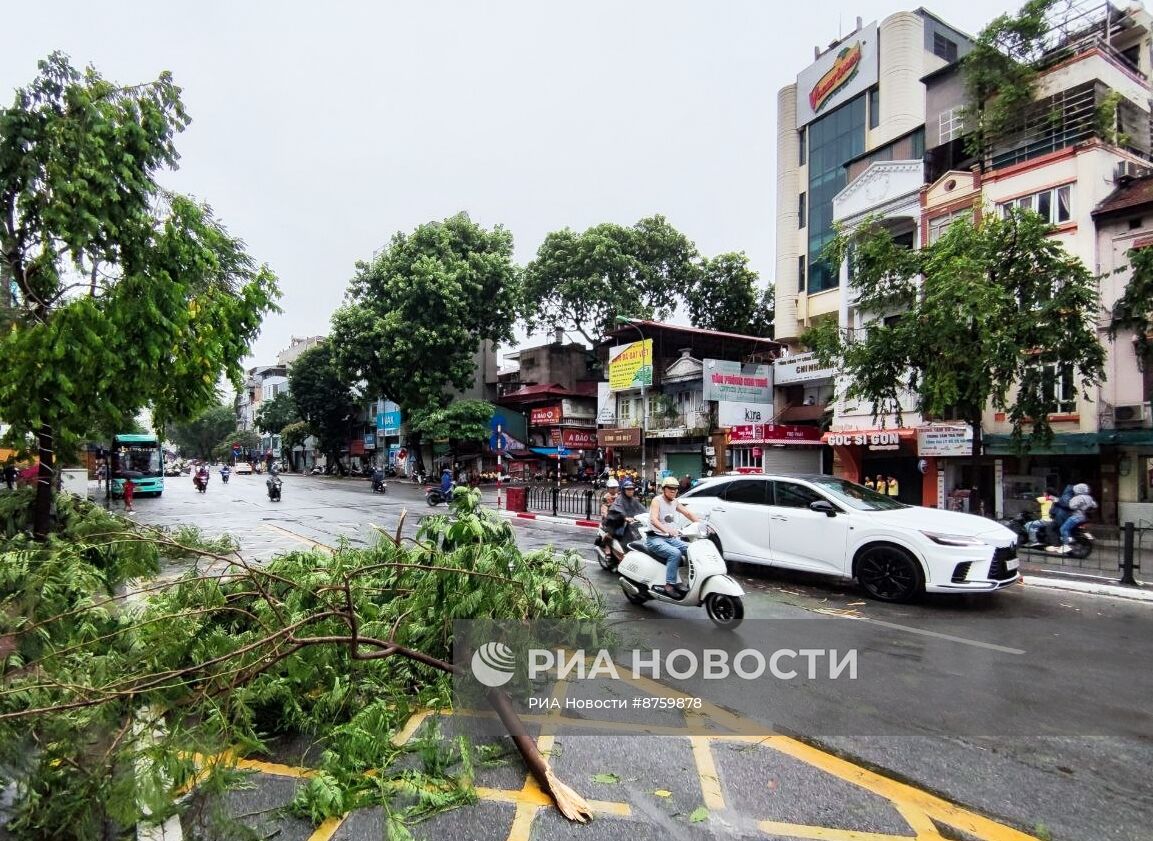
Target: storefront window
<point>742,457</point>
<point>1145,478</point>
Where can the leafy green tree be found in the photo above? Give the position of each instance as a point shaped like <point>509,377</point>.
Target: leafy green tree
<point>246,439</point>
<point>1134,309</point>
<point>124,294</point>
<point>1000,309</point>
<point>725,297</point>
<point>459,422</point>
<point>582,282</point>
<point>292,436</point>
<point>324,398</point>
<point>416,315</point>
<point>197,437</point>
<point>277,413</point>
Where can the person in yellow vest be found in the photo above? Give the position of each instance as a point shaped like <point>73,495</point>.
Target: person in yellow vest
<point>869,483</point>
<point>1045,501</point>
<point>893,487</point>
<point>881,486</point>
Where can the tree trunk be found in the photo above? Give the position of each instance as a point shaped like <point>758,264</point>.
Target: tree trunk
<point>45,484</point>
<point>975,460</point>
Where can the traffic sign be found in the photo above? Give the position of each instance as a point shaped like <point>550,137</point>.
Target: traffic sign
<point>402,454</point>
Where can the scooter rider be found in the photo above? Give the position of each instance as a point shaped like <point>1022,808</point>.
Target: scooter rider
<point>225,472</point>
<point>446,484</point>
<point>607,500</point>
<point>666,543</point>
<point>627,503</point>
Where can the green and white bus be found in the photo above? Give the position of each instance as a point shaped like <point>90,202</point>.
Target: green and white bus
<point>141,457</point>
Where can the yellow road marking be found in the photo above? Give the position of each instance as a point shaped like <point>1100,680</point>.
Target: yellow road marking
<point>326,830</point>
<point>522,822</point>
<point>274,768</point>
<point>299,538</point>
<point>707,771</point>
<point>919,822</point>
<point>823,833</point>
<point>410,727</point>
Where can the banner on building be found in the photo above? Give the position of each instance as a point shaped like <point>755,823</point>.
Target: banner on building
<point>775,433</point>
<point>944,440</point>
<point>574,439</point>
<point>799,368</point>
<point>546,415</point>
<point>606,405</point>
<point>735,414</point>
<point>370,440</point>
<point>841,73</point>
<point>737,383</point>
<point>626,437</point>
<point>631,365</point>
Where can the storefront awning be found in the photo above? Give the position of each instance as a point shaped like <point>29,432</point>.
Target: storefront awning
<point>1071,444</point>
<point>1125,438</point>
<point>551,452</point>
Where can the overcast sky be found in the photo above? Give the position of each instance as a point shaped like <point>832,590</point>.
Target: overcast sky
<point>320,129</point>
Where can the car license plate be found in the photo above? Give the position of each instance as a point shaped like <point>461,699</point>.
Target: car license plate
<point>1011,564</point>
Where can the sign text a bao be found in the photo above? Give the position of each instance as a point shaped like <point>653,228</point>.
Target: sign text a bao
<point>546,415</point>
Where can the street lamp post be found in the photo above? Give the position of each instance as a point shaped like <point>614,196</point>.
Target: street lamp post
<point>644,402</point>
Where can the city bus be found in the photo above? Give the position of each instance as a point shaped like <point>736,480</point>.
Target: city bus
<point>141,457</point>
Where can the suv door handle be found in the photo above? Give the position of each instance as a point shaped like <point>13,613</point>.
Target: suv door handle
<point>718,511</point>
<point>778,517</point>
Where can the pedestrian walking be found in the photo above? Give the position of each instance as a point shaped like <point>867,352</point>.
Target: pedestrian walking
<point>10,475</point>
<point>129,493</point>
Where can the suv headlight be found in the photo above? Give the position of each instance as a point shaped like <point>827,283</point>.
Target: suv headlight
<point>953,539</point>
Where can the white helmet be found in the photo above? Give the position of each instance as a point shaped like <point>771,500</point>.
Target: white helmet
<point>612,483</point>
<point>1080,489</point>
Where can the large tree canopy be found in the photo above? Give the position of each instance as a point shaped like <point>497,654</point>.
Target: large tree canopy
<point>1134,309</point>
<point>197,438</point>
<point>582,282</point>
<point>124,295</point>
<point>1002,313</point>
<point>277,413</point>
<point>417,314</point>
<point>323,397</point>
<point>725,298</point>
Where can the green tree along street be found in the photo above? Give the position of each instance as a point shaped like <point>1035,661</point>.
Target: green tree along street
<point>992,313</point>
<point>126,294</point>
<point>1134,309</point>
<point>246,439</point>
<point>416,315</point>
<point>459,422</point>
<point>323,398</point>
<point>582,282</point>
<point>277,413</point>
<point>725,297</point>
<point>198,437</point>
<point>292,436</point>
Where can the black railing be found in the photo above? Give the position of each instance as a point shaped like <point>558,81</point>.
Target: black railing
<point>578,502</point>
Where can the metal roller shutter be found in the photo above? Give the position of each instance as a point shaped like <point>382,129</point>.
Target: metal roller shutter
<point>787,460</point>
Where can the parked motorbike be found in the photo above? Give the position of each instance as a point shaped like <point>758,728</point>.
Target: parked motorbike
<point>1049,536</point>
<point>273,484</point>
<point>709,583</point>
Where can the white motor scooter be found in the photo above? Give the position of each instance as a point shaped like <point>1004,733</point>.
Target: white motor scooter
<point>708,580</point>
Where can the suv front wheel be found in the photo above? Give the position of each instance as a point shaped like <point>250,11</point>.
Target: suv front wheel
<point>889,574</point>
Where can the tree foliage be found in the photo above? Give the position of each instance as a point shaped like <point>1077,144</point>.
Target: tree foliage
<point>415,316</point>
<point>1001,307</point>
<point>1134,309</point>
<point>323,397</point>
<point>459,422</point>
<point>725,297</point>
<point>1000,73</point>
<point>214,662</point>
<point>197,437</point>
<point>277,413</point>
<point>124,294</point>
<point>583,281</point>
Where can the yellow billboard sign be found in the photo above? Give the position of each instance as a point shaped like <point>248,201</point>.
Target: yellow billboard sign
<point>631,365</point>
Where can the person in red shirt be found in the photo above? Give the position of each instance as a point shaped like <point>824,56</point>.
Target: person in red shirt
<point>129,492</point>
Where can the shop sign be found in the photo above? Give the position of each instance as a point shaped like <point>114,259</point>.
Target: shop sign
<point>671,432</point>
<point>606,405</point>
<point>775,433</point>
<point>800,368</point>
<point>738,414</point>
<point>356,448</point>
<point>388,423</point>
<point>624,437</point>
<point>546,415</point>
<point>734,382</point>
<point>370,440</point>
<point>631,365</point>
<point>945,440</point>
<point>574,439</point>
<point>848,69</point>
<point>882,440</point>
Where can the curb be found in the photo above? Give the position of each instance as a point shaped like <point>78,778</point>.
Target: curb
<point>545,518</point>
<point>1090,588</point>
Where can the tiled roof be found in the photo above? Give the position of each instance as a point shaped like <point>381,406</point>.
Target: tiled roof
<point>1136,193</point>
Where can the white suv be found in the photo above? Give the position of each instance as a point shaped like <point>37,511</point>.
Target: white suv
<point>828,525</point>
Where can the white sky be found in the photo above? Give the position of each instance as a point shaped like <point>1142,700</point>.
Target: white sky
<point>320,129</point>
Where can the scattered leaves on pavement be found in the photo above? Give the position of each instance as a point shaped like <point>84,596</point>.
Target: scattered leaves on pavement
<point>607,779</point>
<point>699,814</point>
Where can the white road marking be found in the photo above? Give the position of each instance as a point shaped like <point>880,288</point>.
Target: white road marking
<point>922,632</point>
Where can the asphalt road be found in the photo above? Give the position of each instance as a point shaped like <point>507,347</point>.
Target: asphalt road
<point>1031,706</point>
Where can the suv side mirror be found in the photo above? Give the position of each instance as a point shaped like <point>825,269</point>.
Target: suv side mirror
<point>824,507</point>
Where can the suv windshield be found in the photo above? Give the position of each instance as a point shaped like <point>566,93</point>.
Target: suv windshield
<point>856,496</point>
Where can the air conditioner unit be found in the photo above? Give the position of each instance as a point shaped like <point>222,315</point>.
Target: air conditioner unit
<point>1133,415</point>
<point>1126,170</point>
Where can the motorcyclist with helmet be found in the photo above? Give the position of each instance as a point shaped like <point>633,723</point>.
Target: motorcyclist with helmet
<point>665,542</point>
